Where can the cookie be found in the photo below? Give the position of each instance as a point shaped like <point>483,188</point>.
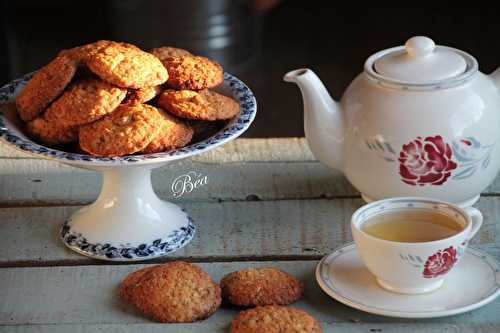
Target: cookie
<point>260,286</point>
<point>174,133</point>
<point>200,105</point>
<point>131,281</point>
<point>127,130</point>
<point>275,319</point>
<point>84,102</point>
<point>175,292</point>
<point>127,67</point>
<point>142,95</point>
<point>85,52</point>
<point>48,133</point>
<point>166,52</point>
<point>45,86</point>
<point>193,73</point>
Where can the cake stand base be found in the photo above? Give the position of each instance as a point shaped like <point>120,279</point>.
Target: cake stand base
<point>128,221</point>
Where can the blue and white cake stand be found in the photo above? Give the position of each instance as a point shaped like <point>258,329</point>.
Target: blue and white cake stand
<point>127,221</point>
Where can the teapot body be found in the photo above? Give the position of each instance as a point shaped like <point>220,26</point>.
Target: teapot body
<point>438,143</point>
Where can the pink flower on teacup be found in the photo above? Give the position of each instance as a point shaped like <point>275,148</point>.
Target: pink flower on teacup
<point>426,161</point>
<point>440,262</point>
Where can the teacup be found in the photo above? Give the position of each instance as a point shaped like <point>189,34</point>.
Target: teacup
<point>418,267</point>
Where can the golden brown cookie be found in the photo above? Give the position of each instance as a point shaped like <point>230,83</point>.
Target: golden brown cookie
<point>127,130</point>
<point>131,281</point>
<point>193,73</point>
<point>275,319</point>
<point>260,286</point>
<point>176,292</point>
<point>84,102</point>
<point>127,67</point>
<point>49,133</point>
<point>85,52</point>
<point>142,95</point>
<point>201,105</point>
<point>174,133</point>
<point>45,86</point>
<point>165,52</point>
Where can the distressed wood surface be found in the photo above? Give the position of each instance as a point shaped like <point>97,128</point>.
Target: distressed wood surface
<point>88,295</point>
<point>244,169</point>
<point>204,328</point>
<point>272,230</point>
<point>45,182</point>
<point>298,211</point>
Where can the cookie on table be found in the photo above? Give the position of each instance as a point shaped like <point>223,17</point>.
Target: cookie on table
<point>50,134</point>
<point>127,66</point>
<point>174,133</point>
<point>131,281</point>
<point>261,286</point>
<point>45,86</point>
<point>84,102</point>
<point>198,105</point>
<point>193,73</point>
<point>166,52</point>
<point>175,292</point>
<point>142,95</point>
<point>126,130</point>
<point>274,319</point>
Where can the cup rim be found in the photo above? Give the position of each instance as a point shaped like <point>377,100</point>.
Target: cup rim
<point>465,215</point>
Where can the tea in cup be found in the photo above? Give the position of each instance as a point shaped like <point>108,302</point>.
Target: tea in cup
<point>411,244</point>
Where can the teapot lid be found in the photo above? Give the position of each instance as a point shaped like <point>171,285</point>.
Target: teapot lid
<point>421,62</point>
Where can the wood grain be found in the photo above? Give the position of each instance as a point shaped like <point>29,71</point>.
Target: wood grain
<point>212,327</point>
<point>244,169</point>
<point>88,295</point>
<point>282,229</point>
<point>42,182</point>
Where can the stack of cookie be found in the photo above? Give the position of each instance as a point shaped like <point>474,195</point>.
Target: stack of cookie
<point>181,292</point>
<point>95,95</point>
<point>268,290</point>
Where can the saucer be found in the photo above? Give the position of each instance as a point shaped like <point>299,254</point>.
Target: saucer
<point>343,276</point>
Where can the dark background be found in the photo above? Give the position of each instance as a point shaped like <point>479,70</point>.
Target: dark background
<point>257,40</point>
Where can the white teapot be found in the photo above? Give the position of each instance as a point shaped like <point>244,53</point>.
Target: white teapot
<point>421,120</point>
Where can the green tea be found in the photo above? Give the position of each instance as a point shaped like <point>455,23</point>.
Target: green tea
<point>411,226</point>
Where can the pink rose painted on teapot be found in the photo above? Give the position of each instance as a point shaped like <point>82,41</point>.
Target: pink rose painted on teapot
<point>426,161</point>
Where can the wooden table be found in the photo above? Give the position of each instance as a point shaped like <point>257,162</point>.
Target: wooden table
<point>267,203</point>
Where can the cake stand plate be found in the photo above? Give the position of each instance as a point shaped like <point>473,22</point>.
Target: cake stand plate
<point>128,221</point>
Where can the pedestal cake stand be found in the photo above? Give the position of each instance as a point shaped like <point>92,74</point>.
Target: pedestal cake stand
<point>127,221</point>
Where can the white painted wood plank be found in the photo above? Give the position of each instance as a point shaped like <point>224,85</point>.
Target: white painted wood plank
<point>255,168</point>
<point>33,182</point>
<point>239,150</point>
<point>275,229</point>
<point>221,328</point>
<point>88,295</point>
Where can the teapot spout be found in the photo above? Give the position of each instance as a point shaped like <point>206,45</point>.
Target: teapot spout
<point>323,118</point>
<point>495,76</point>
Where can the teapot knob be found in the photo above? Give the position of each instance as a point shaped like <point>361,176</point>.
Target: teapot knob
<point>419,46</point>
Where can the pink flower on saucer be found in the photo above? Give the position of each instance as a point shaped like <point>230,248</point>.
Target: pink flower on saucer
<point>440,262</point>
<point>426,161</point>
